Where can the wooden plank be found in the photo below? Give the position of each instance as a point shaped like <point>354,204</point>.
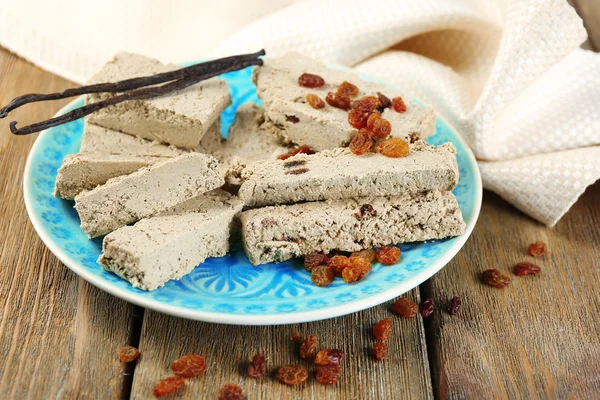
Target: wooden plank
<point>404,375</point>
<point>58,334</point>
<point>589,11</point>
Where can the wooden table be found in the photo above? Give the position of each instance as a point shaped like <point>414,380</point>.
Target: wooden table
<point>538,338</point>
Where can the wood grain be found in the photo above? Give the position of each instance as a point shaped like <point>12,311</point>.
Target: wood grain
<point>58,334</point>
<point>228,349</point>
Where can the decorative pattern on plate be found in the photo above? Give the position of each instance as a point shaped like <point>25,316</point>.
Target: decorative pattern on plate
<point>230,289</point>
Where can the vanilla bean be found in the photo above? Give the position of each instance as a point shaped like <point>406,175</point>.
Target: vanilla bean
<point>139,94</point>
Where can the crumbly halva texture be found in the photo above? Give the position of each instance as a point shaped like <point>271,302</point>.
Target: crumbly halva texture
<point>85,171</point>
<point>337,174</point>
<point>171,244</point>
<point>181,118</point>
<point>146,192</point>
<point>288,114</point>
<point>279,233</point>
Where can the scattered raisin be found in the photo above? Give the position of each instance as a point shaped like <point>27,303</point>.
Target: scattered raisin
<point>526,268</point>
<point>384,100</point>
<point>314,260</point>
<point>231,391</point>
<point>495,278</point>
<point>338,264</point>
<point>258,366</point>
<point>292,374</point>
<point>304,149</point>
<point>368,254</point>
<point>413,137</point>
<point>315,101</point>
<point>310,80</point>
<point>366,104</point>
<point>167,385</point>
<point>128,354</point>
<point>295,163</point>
<point>537,249</point>
<point>189,365</point>
<point>327,374</point>
<point>337,101</point>
<point>379,350</point>
<point>292,118</point>
<point>393,147</point>
<point>388,255</point>
<point>298,171</point>
<point>347,89</point>
<point>295,337</point>
<point>427,308</point>
<point>398,104</point>
<point>322,275</point>
<point>361,142</point>
<point>358,119</point>
<point>383,329</point>
<point>359,268</point>
<point>330,356</point>
<point>454,305</point>
<point>381,128</point>
<point>405,307</point>
<point>365,209</point>
<point>308,349</point>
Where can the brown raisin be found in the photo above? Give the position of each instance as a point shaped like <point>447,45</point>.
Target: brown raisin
<point>388,255</point>
<point>381,128</point>
<point>366,104</point>
<point>495,278</point>
<point>537,249</point>
<point>258,366</point>
<point>292,118</point>
<point>384,100</point>
<point>365,209</point>
<point>372,120</point>
<point>128,354</point>
<point>189,365</point>
<point>327,374</point>
<point>330,356</point>
<point>168,385</point>
<point>298,171</point>
<point>295,163</point>
<point>405,307</point>
<point>526,268</point>
<point>413,137</point>
<point>454,305</point>
<point>359,268</point>
<point>292,374</point>
<point>308,348</point>
<point>398,104</point>
<point>322,275</point>
<point>341,102</point>
<point>361,142</point>
<point>379,350</point>
<point>304,149</point>
<point>338,264</point>
<point>295,337</point>
<point>347,89</point>
<point>231,391</point>
<point>358,119</point>
<point>427,308</point>
<point>314,260</point>
<point>383,329</point>
<point>367,254</point>
<point>393,147</point>
<point>315,101</point>
<point>310,80</point>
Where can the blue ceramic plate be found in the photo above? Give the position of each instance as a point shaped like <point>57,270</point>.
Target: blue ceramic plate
<point>229,289</point>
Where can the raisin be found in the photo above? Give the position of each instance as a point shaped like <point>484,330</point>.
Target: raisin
<point>358,119</point>
<point>322,275</point>
<point>526,268</point>
<point>314,260</point>
<point>292,118</point>
<point>388,255</point>
<point>330,356</point>
<point>295,337</point>
<point>379,350</point>
<point>128,354</point>
<point>366,104</point>
<point>368,254</point>
<point>454,305</point>
<point>304,149</point>
<point>361,142</point>
<point>365,209</point>
<point>338,264</point>
<point>393,147</point>
<point>347,89</point>
<point>231,391</point>
<point>308,349</point>
<point>537,249</point>
<point>381,128</point>
<point>310,80</point>
<point>295,163</point>
<point>337,101</point>
<point>292,374</point>
<point>427,308</point>
<point>373,118</point>
<point>383,329</point>
<point>258,366</point>
<point>495,278</point>
<point>298,171</point>
<point>384,100</point>
<point>405,307</point>
<point>315,101</point>
<point>359,268</point>
<point>327,374</point>
<point>189,365</point>
<point>398,104</point>
<point>167,385</point>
